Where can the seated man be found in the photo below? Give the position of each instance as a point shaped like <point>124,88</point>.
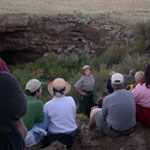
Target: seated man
<point>35,119</point>
<point>117,116</point>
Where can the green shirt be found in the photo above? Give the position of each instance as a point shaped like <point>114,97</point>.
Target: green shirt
<point>35,112</point>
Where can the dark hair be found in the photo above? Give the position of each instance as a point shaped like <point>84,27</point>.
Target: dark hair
<point>28,92</point>
<point>117,86</point>
<point>147,76</point>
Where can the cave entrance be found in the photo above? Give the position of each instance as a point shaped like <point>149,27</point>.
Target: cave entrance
<point>16,57</point>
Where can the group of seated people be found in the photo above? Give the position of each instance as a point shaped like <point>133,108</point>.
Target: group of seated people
<point>124,105</point>
<point>25,121</point>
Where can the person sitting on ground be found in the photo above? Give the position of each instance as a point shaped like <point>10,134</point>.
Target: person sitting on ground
<point>35,119</point>
<point>117,116</point>
<point>129,80</point>
<point>20,125</point>
<point>13,106</point>
<point>141,95</point>
<point>62,114</point>
<point>85,86</point>
<point>108,83</point>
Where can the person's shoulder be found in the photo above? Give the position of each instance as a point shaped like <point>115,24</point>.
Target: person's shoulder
<point>109,97</point>
<point>69,97</point>
<point>49,103</point>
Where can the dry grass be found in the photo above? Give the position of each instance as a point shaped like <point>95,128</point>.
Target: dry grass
<point>131,10</point>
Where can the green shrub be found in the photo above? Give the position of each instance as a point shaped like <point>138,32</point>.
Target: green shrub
<point>113,55</point>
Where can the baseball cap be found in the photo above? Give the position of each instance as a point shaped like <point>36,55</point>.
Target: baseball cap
<point>117,78</point>
<point>33,85</point>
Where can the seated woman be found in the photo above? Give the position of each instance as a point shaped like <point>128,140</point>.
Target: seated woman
<point>141,95</point>
<point>61,111</point>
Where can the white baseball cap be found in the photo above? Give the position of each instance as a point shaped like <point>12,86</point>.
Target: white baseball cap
<point>117,78</point>
<point>33,85</point>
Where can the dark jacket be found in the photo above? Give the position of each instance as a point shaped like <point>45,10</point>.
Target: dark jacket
<point>13,104</point>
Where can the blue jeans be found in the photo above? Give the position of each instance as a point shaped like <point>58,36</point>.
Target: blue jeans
<point>37,133</point>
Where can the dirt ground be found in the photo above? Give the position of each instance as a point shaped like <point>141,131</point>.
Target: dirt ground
<point>129,10</point>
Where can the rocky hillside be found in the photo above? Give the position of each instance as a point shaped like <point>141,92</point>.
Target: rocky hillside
<point>92,140</point>
<point>25,38</point>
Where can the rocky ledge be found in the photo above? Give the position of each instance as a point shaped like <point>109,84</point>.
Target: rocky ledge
<point>24,38</point>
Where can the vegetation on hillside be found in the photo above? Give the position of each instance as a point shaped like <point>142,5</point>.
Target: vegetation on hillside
<point>115,58</point>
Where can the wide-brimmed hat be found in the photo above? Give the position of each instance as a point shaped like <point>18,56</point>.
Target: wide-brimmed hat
<point>33,85</point>
<point>59,87</point>
<point>86,67</point>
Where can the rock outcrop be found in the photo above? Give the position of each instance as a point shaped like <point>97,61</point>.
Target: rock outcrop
<point>86,139</point>
<point>24,38</point>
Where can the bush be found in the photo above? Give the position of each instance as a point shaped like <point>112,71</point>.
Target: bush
<point>113,55</point>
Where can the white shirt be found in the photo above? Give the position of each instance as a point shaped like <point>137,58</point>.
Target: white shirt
<point>62,114</point>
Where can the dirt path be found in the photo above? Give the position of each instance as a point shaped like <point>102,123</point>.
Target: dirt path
<point>130,10</point>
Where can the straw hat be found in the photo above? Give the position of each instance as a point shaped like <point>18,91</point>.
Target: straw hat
<point>59,87</point>
<point>86,67</point>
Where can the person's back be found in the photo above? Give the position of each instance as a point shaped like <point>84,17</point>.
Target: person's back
<point>35,112</point>
<point>12,107</point>
<point>117,116</point>
<point>62,112</point>
<point>141,95</point>
<point>119,108</point>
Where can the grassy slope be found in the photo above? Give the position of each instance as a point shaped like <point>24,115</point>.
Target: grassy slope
<point>131,10</point>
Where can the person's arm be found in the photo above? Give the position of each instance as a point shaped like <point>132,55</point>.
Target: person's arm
<point>21,128</point>
<point>78,85</point>
<point>39,112</point>
<point>136,93</point>
<point>79,91</point>
<point>92,122</point>
<point>104,108</point>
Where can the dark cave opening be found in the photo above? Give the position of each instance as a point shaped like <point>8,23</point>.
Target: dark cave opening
<point>18,57</point>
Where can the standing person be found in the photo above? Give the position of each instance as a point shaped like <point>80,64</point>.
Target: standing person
<point>12,107</point>
<point>35,119</point>
<point>117,116</point>
<point>141,95</point>
<point>62,113</point>
<point>85,87</point>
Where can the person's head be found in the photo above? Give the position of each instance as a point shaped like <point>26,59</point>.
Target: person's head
<point>117,81</point>
<point>147,76</point>
<point>139,77</point>
<point>132,72</point>
<point>34,88</point>
<point>59,87</point>
<point>86,70</point>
